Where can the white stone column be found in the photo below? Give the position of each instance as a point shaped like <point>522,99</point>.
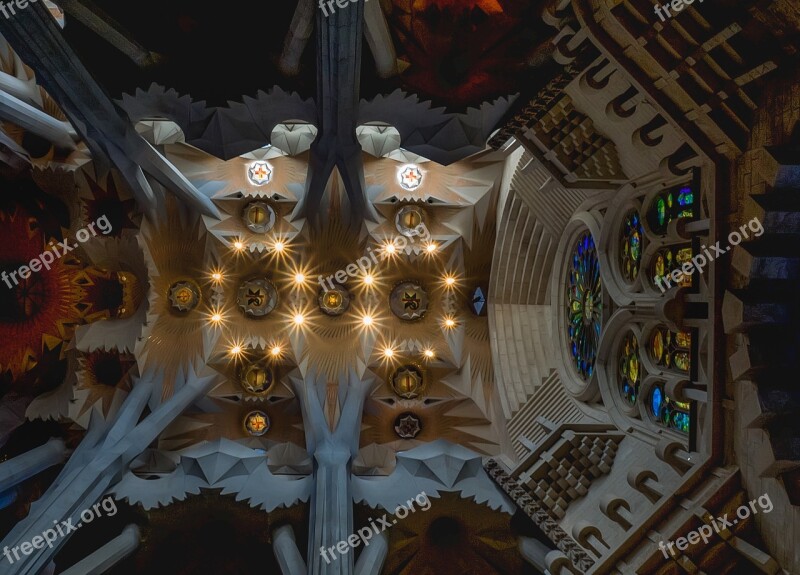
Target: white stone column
<point>109,554</point>
<point>285,548</point>
<point>534,551</point>
<point>372,558</point>
<point>22,467</point>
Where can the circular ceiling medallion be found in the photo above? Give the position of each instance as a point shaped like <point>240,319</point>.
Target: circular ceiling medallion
<point>410,221</point>
<point>259,217</point>
<point>257,378</point>
<point>409,177</point>
<point>407,381</point>
<point>259,173</point>
<point>257,297</point>
<point>409,301</point>
<point>407,425</point>
<point>334,301</point>
<point>256,423</point>
<point>184,296</point>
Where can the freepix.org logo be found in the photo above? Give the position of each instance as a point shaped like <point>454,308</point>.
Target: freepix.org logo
<point>57,250</point>
<point>9,9</point>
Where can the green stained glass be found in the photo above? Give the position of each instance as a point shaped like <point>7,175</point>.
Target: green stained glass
<point>670,205</point>
<point>584,305</point>
<point>629,369</point>
<point>631,245</point>
<point>668,412</point>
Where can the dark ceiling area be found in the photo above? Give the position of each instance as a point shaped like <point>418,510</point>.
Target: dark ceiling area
<point>456,53</point>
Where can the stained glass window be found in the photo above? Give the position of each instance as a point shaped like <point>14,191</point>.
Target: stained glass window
<point>584,305</point>
<point>630,369</point>
<point>670,205</point>
<point>671,349</point>
<point>668,412</point>
<point>668,259</point>
<point>631,248</point>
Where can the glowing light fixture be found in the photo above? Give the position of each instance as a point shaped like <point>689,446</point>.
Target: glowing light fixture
<point>449,280</point>
<point>431,248</point>
<point>238,245</point>
<point>388,352</point>
<point>216,276</point>
<point>409,177</point>
<point>429,353</point>
<point>276,351</point>
<point>279,246</point>
<point>449,323</point>
<point>236,350</point>
<point>367,320</point>
<point>299,279</point>
<point>216,318</point>
<point>259,173</point>
<point>299,319</point>
<point>369,279</point>
<point>389,248</point>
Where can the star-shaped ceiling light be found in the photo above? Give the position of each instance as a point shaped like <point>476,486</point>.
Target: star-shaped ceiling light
<point>259,173</point>
<point>409,177</point>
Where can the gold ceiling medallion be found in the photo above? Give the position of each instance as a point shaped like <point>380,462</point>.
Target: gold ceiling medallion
<point>183,296</point>
<point>257,378</point>
<point>410,221</point>
<point>256,423</point>
<point>334,301</point>
<point>409,301</point>
<point>257,297</point>
<point>259,217</point>
<point>408,381</point>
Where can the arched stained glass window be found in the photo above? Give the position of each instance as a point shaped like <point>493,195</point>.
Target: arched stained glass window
<point>584,305</point>
<point>630,369</point>
<point>668,412</point>
<point>631,245</point>
<point>670,349</point>
<point>670,205</point>
<point>668,259</point>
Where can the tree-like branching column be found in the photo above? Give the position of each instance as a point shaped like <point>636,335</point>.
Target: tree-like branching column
<point>101,458</point>
<point>333,451</point>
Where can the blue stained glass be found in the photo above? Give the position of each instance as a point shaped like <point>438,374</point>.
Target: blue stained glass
<point>655,401</point>
<point>668,412</point>
<point>631,246</point>
<point>686,197</point>
<point>584,305</point>
<point>680,420</point>
<point>670,205</point>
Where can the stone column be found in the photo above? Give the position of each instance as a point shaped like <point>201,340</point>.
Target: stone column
<point>285,548</point>
<point>371,560</point>
<point>109,554</point>
<point>331,499</point>
<point>22,467</point>
<point>534,551</point>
